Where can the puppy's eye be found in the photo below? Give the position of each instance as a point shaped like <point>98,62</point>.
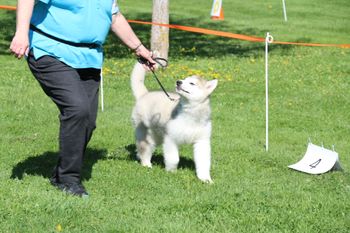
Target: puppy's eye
<point>192,84</point>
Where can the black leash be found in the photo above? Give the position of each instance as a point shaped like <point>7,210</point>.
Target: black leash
<point>160,61</point>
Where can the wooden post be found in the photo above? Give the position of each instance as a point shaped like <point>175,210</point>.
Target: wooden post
<point>160,35</point>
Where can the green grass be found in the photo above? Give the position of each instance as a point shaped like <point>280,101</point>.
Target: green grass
<point>253,190</point>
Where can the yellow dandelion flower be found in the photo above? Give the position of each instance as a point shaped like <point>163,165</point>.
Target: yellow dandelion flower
<point>58,227</point>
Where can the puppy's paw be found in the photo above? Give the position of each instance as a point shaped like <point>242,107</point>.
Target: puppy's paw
<point>206,179</point>
<point>171,169</point>
<point>171,163</point>
<point>146,164</point>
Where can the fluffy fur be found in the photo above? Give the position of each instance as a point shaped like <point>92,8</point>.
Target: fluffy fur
<point>158,120</point>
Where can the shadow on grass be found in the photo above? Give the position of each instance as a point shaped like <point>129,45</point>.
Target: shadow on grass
<point>42,165</point>
<point>158,159</point>
<point>182,44</point>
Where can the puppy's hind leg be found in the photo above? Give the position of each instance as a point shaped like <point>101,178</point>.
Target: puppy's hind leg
<point>145,145</point>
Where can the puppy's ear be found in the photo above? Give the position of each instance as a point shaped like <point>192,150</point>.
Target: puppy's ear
<point>211,85</point>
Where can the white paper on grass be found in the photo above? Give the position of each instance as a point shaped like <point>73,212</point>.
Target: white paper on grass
<point>317,160</point>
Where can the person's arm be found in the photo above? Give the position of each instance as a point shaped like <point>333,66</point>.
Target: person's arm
<point>20,42</point>
<point>122,29</point>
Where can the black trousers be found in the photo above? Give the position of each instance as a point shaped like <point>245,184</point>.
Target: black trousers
<point>75,92</point>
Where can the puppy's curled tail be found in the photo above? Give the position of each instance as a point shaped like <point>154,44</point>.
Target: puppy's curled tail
<point>137,81</point>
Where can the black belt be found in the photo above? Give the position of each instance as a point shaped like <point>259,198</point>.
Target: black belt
<point>87,45</point>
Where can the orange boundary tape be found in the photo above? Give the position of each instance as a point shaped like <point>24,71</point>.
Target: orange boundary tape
<point>221,33</point>
<point>8,7</point>
<point>203,31</point>
<point>235,36</point>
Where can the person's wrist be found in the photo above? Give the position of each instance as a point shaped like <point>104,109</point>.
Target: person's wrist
<point>142,51</point>
<point>138,47</point>
<point>22,29</point>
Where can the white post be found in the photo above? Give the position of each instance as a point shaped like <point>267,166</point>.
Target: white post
<point>268,40</point>
<point>101,89</point>
<point>284,10</point>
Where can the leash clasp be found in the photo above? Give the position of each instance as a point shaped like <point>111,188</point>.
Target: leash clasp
<point>162,62</point>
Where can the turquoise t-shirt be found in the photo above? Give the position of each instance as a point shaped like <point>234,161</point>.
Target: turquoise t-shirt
<point>80,21</point>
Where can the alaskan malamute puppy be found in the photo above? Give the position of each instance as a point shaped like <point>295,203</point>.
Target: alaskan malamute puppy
<point>186,120</point>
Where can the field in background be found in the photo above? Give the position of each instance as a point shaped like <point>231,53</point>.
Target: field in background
<point>253,191</point>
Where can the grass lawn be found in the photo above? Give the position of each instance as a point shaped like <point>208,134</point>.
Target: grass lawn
<point>253,190</point>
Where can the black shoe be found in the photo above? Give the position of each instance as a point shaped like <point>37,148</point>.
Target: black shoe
<point>76,189</point>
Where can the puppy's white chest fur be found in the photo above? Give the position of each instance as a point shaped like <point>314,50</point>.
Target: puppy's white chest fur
<point>186,129</point>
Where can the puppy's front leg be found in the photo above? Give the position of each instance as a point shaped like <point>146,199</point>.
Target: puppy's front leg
<point>171,154</point>
<point>202,159</point>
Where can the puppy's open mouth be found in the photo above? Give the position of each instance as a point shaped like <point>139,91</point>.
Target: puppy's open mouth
<point>179,88</point>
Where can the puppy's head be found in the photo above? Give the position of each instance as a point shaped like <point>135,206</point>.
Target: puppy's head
<point>195,88</point>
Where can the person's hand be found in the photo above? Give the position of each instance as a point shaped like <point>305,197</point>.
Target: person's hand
<point>143,52</point>
<point>20,45</point>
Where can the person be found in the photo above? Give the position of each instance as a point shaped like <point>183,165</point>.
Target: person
<point>63,41</point>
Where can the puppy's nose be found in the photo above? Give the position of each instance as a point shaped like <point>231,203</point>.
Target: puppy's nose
<point>178,83</point>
